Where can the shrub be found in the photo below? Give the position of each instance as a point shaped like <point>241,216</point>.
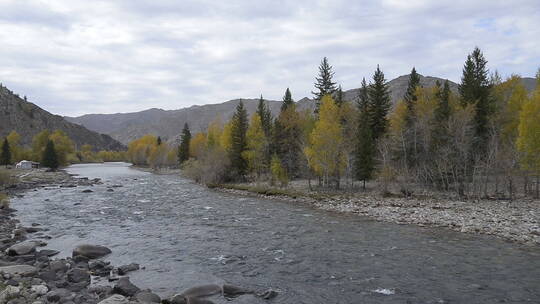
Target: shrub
<point>211,168</point>
<point>4,201</point>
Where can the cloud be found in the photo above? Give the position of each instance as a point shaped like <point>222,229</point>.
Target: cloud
<point>75,57</point>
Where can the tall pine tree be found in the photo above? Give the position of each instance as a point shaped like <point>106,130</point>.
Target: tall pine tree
<point>410,152</point>
<point>475,88</point>
<point>324,83</point>
<point>183,148</point>
<point>50,157</point>
<point>266,117</point>
<point>410,97</point>
<point>365,146</point>
<point>5,156</point>
<point>379,104</point>
<point>238,142</point>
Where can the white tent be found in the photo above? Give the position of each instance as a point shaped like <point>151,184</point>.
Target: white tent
<point>26,164</point>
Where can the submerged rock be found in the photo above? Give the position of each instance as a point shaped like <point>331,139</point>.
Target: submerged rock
<point>122,270</point>
<point>91,251</point>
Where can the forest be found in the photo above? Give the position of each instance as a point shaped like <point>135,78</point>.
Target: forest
<point>480,142</point>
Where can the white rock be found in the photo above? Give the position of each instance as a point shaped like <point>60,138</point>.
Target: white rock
<point>39,289</point>
<point>9,292</point>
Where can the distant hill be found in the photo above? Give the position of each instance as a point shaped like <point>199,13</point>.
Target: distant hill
<point>126,127</point>
<point>28,119</point>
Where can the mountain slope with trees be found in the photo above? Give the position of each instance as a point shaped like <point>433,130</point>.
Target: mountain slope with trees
<point>27,119</point>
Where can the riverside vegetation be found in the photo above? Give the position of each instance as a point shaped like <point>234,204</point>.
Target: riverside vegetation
<point>436,148</point>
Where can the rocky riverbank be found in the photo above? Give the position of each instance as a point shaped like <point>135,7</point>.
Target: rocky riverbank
<point>517,220</point>
<point>29,274</point>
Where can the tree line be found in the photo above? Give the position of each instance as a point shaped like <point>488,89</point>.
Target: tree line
<point>481,141</point>
<point>52,150</point>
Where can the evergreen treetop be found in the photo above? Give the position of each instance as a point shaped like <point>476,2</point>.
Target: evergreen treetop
<point>363,97</point>
<point>475,88</point>
<point>287,100</point>
<point>410,97</point>
<point>379,104</point>
<point>324,83</point>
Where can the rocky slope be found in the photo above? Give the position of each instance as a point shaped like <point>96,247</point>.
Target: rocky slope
<point>125,127</point>
<point>28,119</point>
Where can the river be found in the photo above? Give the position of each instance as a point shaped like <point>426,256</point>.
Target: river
<point>185,234</point>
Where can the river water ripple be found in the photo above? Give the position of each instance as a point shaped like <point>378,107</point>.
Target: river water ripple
<point>185,234</point>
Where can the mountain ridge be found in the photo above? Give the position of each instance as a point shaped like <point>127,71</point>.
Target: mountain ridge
<point>28,119</point>
<point>168,124</point>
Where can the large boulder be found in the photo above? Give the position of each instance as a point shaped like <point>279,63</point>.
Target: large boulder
<point>125,287</point>
<point>115,299</point>
<point>22,248</point>
<point>22,270</point>
<point>91,251</point>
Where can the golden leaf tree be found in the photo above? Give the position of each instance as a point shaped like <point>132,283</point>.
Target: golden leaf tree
<point>325,151</point>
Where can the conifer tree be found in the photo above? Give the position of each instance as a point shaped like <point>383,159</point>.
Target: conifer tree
<point>5,156</point>
<point>324,83</point>
<point>286,136</point>
<point>159,141</point>
<point>410,97</point>
<point>238,142</point>
<point>50,158</point>
<point>442,112</point>
<point>379,104</point>
<point>365,146</point>
<point>287,100</point>
<point>183,148</point>
<point>475,89</point>
<point>266,117</point>
<point>441,115</point>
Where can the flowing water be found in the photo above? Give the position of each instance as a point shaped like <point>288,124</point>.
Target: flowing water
<point>185,235</point>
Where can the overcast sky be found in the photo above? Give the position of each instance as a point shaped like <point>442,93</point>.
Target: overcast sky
<point>76,57</point>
